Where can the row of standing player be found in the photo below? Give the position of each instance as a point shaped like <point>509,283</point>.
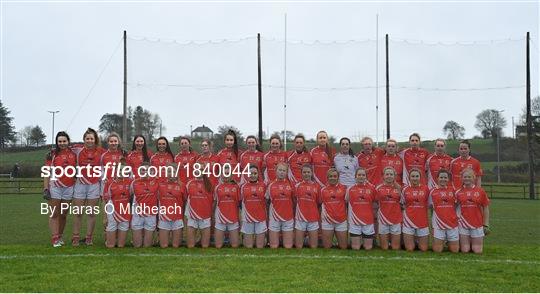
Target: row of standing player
<point>88,190</point>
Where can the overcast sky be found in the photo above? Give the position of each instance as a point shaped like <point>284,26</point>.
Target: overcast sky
<point>53,53</point>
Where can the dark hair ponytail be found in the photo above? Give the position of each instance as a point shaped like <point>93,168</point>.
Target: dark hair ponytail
<point>351,151</point>
<point>167,147</point>
<point>207,184</point>
<point>257,146</point>
<point>144,149</point>
<point>235,139</point>
<point>187,139</point>
<point>94,133</point>
<point>300,136</point>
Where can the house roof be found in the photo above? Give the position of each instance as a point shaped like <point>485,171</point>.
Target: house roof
<point>203,129</point>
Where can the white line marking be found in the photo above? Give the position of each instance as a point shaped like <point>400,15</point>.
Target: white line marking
<point>277,256</point>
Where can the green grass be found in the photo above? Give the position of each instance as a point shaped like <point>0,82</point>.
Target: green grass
<point>490,165</point>
<point>35,157</point>
<point>28,263</point>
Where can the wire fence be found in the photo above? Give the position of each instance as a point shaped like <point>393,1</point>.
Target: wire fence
<point>205,77</point>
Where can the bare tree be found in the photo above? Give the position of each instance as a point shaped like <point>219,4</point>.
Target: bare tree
<point>490,123</point>
<point>453,130</point>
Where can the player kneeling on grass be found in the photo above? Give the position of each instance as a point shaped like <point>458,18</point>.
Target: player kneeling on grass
<point>227,197</point>
<point>415,216</point>
<point>199,209</point>
<point>361,219</point>
<point>444,219</point>
<point>473,213</point>
<point>171,206</point>
<point>389,215</point>
<point>307,196</point>
<point>281,219</point>
<point>334,211</point>
<point>254,214</point>
<point>143,223</point>
<point>117,199</point>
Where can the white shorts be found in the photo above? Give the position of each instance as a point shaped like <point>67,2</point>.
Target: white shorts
<point>226,227</point>
<point>421,232</point>
<point>446,235</point>
<point>84,191</point>
<point>143,222</point>
<point>113,225</point>
<point>62,193</point>
<point>170,225</point>
<point>341,227</point>
<point>364,230</point>
<point>279,226</point>
<point>253,228</point>
<point>394,229</point>
<point>306,226</point>
<point>474,233</point>
<point>198,223</point>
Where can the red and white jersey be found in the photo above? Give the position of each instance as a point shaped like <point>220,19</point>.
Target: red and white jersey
<point>209,160</point>
<point>185,161</point>
<point>62,158</point>
<point>160,159</point>
<point>415,200</point>
<point>253,201</point>
<point>392,161</point>
<point>227,197</point>
<point>89,158</point>
<point>443,201</point>
<point>388,197</point>
<point>251,158</point>
<point>226,155</point>
<point>270,161</point>
<point>459,164</point>
<point>321,164</point>
<point>110,157</point>
<point>370,162</point>
<point>333,210</point>
<point>171,199</point>
<point>296,160</point>
<point>434,164</point>
<point>119,195</point>
<point>307,195</point>
<point>414,158</point>
<point>361,198</point>
<point>145,194</point>
<point>199,201</point>
<point>280,193</point>
<point>135,159</point>
<point>470,207</point>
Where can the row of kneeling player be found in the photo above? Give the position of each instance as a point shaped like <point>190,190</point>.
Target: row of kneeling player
<point>280,213</point>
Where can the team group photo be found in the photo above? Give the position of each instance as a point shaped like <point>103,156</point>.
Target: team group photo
<point>288,198</point>
<point>269,146</point>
